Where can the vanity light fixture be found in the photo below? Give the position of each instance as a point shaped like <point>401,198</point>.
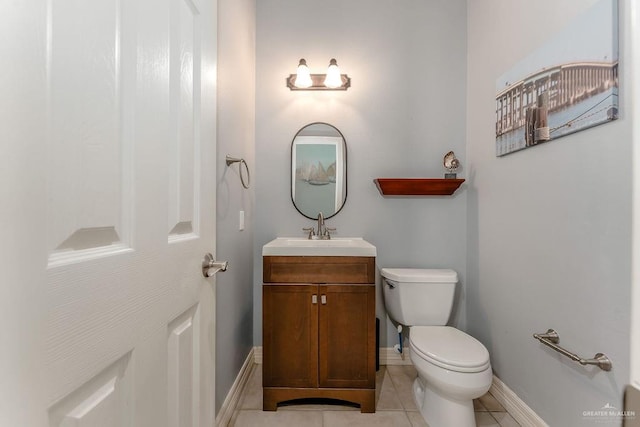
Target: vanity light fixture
<point>333,80</point>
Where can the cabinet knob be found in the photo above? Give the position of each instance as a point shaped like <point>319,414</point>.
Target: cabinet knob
<point>323,299</point>
<point>314,299</point>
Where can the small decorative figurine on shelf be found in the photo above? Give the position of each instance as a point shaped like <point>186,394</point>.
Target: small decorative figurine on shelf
<point>451,164</point>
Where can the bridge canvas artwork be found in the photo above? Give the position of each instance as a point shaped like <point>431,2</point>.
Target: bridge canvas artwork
<point>567,85</point>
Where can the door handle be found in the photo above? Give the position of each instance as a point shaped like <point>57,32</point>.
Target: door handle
<point>210,266</point>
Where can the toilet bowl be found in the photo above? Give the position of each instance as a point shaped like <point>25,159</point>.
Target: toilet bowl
<point>453,367</point>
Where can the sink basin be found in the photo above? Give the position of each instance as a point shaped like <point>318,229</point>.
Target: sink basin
<point>336,246</point>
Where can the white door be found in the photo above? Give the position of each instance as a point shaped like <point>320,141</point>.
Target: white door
<point>107,133</point>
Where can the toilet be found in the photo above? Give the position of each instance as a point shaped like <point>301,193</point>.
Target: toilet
<point>453,367</point>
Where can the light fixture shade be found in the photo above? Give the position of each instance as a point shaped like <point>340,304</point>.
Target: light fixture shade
<point>303,76</point>
<point>333,79</point>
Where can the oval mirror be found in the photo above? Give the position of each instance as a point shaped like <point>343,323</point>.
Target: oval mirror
<point>318,170</point>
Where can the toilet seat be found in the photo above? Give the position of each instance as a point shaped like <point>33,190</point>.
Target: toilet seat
<point>449,348</point>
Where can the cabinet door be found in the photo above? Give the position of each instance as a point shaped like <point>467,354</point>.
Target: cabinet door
<point>347,336</point>
<point>290,335</point>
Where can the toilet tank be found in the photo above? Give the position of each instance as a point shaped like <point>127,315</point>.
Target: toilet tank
<point>419,297</point>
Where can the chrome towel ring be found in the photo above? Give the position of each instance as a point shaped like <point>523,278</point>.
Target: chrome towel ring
<point>232,160</point>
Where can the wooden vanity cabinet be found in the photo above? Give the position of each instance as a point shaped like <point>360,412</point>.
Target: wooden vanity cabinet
<point>319,329</point>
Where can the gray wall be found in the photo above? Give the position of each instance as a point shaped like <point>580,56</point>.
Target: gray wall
<point>404,111</point>
<point>236,120</point>
<point>548,228</point>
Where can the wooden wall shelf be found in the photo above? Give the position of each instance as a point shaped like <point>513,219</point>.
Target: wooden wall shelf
<point>417,186</point>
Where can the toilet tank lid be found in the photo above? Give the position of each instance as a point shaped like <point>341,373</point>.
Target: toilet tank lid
<point>428,275</point>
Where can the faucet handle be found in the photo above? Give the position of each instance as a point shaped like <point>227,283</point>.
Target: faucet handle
<point>309,230</point>
<point>328,231</point>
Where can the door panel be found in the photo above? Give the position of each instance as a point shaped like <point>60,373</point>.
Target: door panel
<point>184,96</point>
<point>111,317</point>
<point>103,401</point>
<point>88,171</point>
<point>183,369</point>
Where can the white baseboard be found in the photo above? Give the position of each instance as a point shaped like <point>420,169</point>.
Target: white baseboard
<point>257,351</point>
<point>389,356</point>
<point>519,410</point>
<point>233,397</point>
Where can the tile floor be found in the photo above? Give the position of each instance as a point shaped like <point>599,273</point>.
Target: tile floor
<point>395,406</point>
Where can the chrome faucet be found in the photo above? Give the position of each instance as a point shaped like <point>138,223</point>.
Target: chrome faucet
<point>323,232</point>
